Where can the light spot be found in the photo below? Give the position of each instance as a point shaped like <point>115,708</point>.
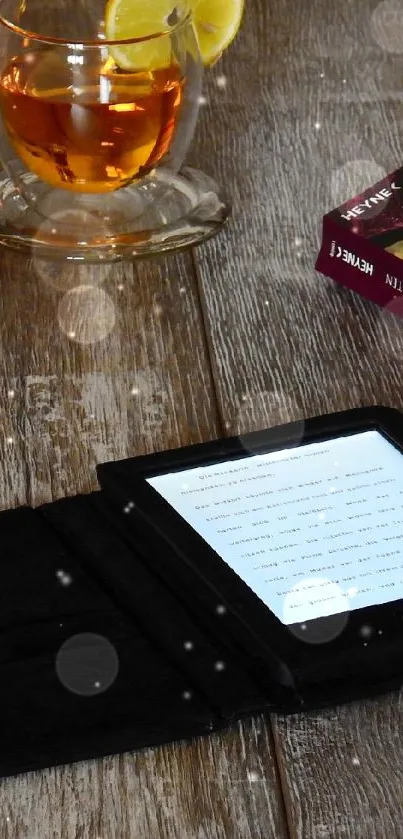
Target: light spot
<point>220,609</point>
<point>182,290</point>
<point>366,631</point>
<point>221,82</point>
<point>86,314</point>
<point>202,100</point>
<point>317,125</point>
<point>64,578</point>
<point>129,507</point>
<point>11,394</point>
<point>135,391</point>
<point>252,776</point>
<point>10,441</point>
<point>219,666</point>
<point>75,59</point>
<point>188,645</point>
<point>87,664</point>
<point>319,590</point>
<point>322,75</point>
<point>121,287</point>
<point>355,761</point>
<point>297,242</point>
<point>186,695</point>
<point>321,516</point>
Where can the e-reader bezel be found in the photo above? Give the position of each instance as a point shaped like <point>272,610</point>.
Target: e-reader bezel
<point>257,628</point>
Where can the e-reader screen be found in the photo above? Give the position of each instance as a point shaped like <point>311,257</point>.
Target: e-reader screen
<point>314,531</point>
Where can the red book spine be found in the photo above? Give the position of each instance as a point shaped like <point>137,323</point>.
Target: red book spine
<point>361,265</point>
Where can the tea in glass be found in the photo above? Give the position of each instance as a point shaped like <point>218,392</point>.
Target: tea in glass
<point>93,129</point>
<point>98,106</point>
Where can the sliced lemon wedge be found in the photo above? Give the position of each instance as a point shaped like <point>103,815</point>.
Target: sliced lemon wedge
<point>396,249</point>
<point>216,23</point>
<point>125,19</point>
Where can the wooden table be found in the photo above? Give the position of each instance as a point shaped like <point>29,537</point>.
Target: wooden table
<point>303,111</point>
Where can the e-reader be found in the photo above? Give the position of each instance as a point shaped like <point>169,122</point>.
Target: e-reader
<point>296,534</point>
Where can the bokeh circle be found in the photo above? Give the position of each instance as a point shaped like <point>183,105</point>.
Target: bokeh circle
<point>86,314</point>
<point>317,629</point>
<point>87,664</point>
<point>387,26</point>
<point>64,276</point>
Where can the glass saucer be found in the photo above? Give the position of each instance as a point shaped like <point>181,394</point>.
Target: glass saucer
<point>165,213</point>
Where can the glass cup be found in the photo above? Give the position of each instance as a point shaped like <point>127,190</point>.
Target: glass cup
<point>94,133</point>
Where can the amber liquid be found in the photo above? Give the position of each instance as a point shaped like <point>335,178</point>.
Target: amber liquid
<point>85,127</point>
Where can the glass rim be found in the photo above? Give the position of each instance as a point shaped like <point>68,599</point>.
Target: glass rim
<point>99,42</point>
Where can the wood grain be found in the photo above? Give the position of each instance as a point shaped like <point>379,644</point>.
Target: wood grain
<point>222,786</point>
<point>112,364</point>
<point>289,340</point>
<point>305,111</point>
<point>342,770</point>
<point>307,89</point>
<point>101,364</point>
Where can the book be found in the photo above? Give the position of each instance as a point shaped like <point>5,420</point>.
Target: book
<point>362,243</point>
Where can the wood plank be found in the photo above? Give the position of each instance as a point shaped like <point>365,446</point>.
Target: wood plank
<point>302,113</point>
<point>217,788</point>
<point>145,385</point>
<point>341,770</point>
<point>114,365</point>
<point>276,327</point>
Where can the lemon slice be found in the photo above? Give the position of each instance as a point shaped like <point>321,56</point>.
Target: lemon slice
<point>125,19</point>
<point>396,249</point>
<point>216,23</point>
